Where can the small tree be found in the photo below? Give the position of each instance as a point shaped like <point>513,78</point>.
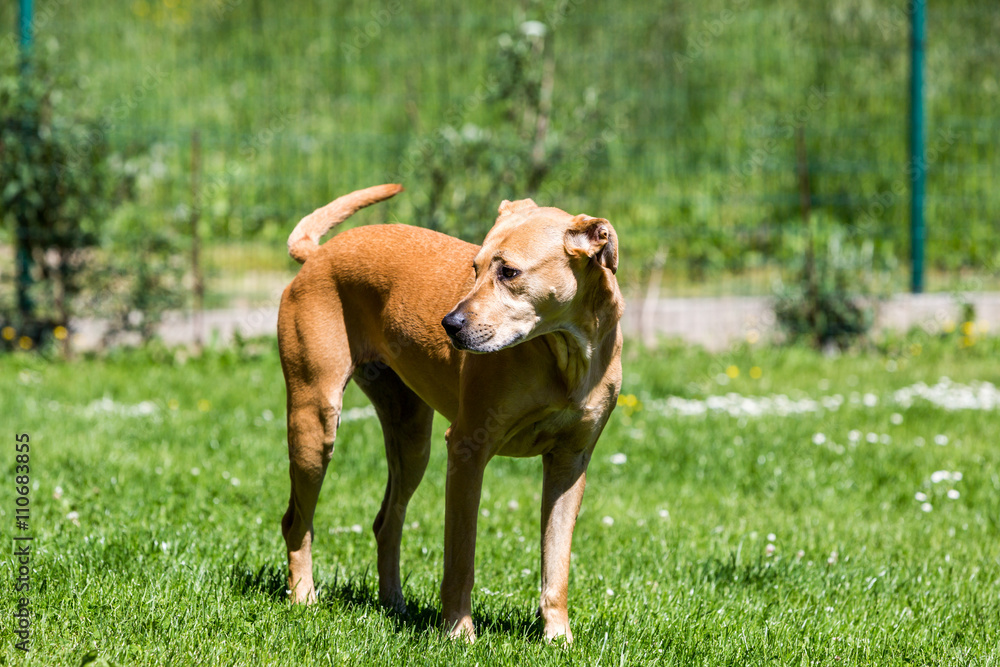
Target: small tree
<point>464,170</point>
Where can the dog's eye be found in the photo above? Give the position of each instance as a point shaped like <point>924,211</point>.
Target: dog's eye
<point>508,273</point>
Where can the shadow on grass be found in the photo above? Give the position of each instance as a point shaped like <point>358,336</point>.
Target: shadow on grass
<point>735,571</point>
<point>354,593</point>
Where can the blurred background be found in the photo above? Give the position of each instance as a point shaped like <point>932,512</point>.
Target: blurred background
<point>754,156</point>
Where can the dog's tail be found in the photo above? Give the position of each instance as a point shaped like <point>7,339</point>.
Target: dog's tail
<point>304,239</point>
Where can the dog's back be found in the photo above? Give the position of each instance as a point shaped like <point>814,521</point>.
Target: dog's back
<point>380,287</point>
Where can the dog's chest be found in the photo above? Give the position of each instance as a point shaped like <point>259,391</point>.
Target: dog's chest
<point>562,428</point>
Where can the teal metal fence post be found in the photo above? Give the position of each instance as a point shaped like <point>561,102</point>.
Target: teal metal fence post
<point>25,307</point>
<point>918,163</point>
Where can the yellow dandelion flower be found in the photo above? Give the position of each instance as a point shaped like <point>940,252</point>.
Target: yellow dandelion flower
<point>8,333</point>
<point>916,349</point>
<point>60,332</point>
<point>756,372</point>
<point>733,372</point>
<point>25,343</point>
<point>173,404</point>
<point>948,326</point>
<point>968,328</point>
<point>204,405</point>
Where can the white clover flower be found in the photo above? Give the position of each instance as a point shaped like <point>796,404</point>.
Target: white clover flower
<point>533,29</point>
<point>941,439</point>
<point>608,521</point>
<point>896,418</point>
<point>769,550</point>
<point>854,435</point>
<point>926,507</point>
<point>618,459</point>
<point>819,439</point>
<point>953,494</point>
<point>872,438</point>
<point>939,476</point>
<point>920,497</point>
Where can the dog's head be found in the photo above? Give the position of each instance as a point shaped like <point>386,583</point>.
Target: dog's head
<point>539,270</point>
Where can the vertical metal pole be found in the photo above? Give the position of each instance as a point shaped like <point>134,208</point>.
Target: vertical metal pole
<point>25,306</point>
<point>918,162</point>
<point>25,18</point>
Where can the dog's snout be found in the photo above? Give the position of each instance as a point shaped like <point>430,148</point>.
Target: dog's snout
<point>453,323</point>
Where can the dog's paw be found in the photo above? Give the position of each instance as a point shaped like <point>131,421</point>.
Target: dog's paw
<point>394,604</point>
<point>462,629</point>
<point>558,633</point>
<point>301,595</point>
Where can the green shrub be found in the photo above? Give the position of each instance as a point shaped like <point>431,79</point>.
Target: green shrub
<point>831,298</point>
<point>84,248</point>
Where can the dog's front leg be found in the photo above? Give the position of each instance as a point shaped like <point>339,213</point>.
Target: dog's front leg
<point>564,478</point>
<point>463,488</point>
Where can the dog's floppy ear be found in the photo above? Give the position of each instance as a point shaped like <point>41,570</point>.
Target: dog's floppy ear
<point>595,238</point>
<point>508,207</point>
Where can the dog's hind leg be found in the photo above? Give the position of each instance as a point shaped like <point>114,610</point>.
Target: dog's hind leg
<point>406,426</point>
<point>315,393</point>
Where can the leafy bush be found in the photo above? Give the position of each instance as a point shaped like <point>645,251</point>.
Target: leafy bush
<point>55,191</point>
<point>831,299</point>
<point>466,170</point>
<point>62,192</point>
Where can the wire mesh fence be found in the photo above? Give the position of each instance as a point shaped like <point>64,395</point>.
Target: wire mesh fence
<point>725,140</point>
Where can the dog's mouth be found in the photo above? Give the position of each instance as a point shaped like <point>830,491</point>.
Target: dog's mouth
<point>483,344</point>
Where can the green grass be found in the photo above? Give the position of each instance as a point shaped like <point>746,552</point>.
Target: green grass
<point>174,553</point>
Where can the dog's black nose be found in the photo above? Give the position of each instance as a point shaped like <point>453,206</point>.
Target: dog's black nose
<point>453,323</point>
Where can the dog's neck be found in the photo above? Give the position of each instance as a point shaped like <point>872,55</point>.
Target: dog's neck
<point>584,348</point>
<point>582,354</point>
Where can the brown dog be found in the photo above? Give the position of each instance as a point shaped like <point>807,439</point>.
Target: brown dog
<point>540,297</point>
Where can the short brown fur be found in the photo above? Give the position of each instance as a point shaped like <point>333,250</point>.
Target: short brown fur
<point>526,364</point>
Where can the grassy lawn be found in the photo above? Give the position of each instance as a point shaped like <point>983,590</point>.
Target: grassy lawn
<point>855,521</point>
